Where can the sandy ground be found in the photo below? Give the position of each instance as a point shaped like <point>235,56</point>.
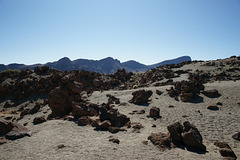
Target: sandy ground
<point>85,143</point>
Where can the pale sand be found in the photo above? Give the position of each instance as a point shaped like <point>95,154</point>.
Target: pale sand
<point>85,143</point>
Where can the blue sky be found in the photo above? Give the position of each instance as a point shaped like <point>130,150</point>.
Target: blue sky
<point>148,31</point>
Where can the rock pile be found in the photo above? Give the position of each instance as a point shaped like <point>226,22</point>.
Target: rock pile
<point>179,135</point>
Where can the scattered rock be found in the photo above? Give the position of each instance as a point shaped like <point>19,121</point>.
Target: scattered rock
<point>140,97</point>
<point>225,150</point>
<point>154,112</point>
<point>60,146</point>
<point>159,92</point>
<point>38,120</point>
<point>213,107</point>
<point>145,142</point>
<point>35,109</point>
<point>211,93</point>
<point>161,140</point>
<point>85,120</point>
<point>112,99</point>
<point>236,136</point>
<point>2,140</point>
<point>136,126</point>
<point>114,140</point>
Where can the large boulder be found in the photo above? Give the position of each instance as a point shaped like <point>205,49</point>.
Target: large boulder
<point>58,102</point>
<point>140,97</point>
<point>192,137</point>
<point>175,130</point>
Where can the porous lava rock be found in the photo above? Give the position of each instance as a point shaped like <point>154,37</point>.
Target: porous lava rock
<point>141,97</point>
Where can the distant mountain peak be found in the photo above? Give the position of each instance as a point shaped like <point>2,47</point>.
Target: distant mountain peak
<point>106,65</point>
<point>64,59</point>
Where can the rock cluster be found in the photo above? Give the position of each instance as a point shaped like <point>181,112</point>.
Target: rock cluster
<point>141,97</point>
<point>179,135</point>
<point>225,150</point>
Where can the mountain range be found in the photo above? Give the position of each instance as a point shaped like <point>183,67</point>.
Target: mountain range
<point>106,65</point>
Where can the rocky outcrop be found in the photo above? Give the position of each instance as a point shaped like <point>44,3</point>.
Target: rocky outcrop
<point>140,97</point>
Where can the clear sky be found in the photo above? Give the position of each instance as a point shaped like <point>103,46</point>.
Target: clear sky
<point>148,31</point>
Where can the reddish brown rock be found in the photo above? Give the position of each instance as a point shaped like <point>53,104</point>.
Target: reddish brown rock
<point>114,140</point>
<point>213,107</point>
<point>140,97</point>
<point>175,130</point>
<point>18,131</point>
<point>192,137</point>
<point>225,150</point>
<point>58,103</point>
<point>85,120</point>
<point>5,127</point>
<point>236,136</point>
<point>136,126</point>
<point>154,112</point>
<point>211,93</point>
<point>227,153</point>
<point>35,109</point>
<point>161,140</point>
<point>38,120</point>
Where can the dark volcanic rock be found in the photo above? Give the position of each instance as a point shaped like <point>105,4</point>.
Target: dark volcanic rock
<point>114,140</point>
<point>85,120</point>
<point>192,137</point>
<point>117,119</point>
<point>236,136</point>
<point>161,140</point>
<point>58,102</point>
<point>18,131</point>
<point>175,130</point>
<point>225,150</point>
<point>35,109</point>
<point>211,93</point>
<point>38,120</point>
<point>140,97</point>
<point>213,107</point>
<point>154,112</point>
<point>5,126</point>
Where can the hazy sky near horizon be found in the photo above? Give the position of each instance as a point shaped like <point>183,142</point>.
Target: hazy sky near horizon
<point>148,31</point>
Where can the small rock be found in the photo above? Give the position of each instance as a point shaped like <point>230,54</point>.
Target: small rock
<point>114,140</point>
<point>213,107</point>
<point>159,92</point>
<point>171,106</point>
<point>226,152</point>
<point>39,120</point>
<point>145,142</point>
<point>61,146</point>
<point>236,136</point>
<point>154,126</point>
<point>154,112</point>
<point>211,93</point>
